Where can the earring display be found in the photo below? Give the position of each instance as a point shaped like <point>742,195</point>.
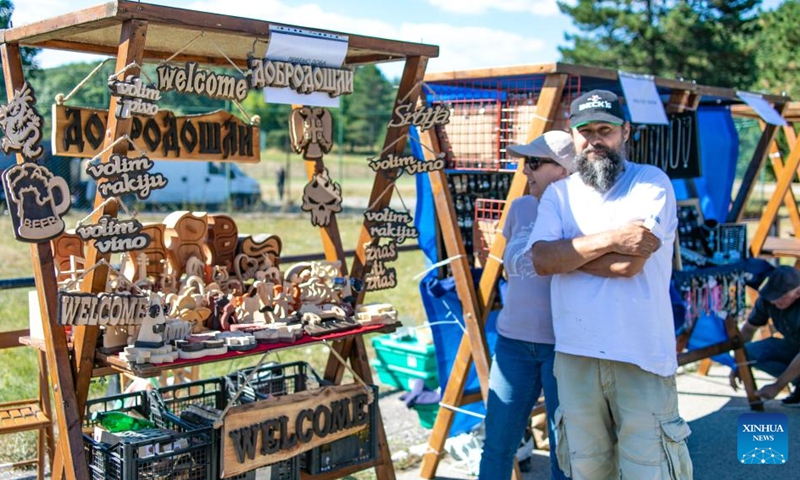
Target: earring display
<point>674,148</point>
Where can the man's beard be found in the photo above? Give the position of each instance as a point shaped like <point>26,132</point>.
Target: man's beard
<point>602,172</point>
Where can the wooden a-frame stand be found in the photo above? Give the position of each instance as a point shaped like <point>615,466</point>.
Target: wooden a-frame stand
<point>122,28</point>
<point>476,304</point>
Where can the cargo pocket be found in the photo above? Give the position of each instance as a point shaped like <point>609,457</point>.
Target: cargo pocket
<point>673,440</point>
<point>562,445</point>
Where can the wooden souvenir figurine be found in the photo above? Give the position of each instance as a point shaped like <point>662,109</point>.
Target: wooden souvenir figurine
<point>67,253</point>
<point>311,131</point>
<point>322,197</point>
<point>185,237</point>
<point>153,265</point>
<point>222,240</point>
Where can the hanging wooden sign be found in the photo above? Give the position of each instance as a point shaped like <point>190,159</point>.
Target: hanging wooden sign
<point>381,253</point>
<point>105,309</point>
<point>322,197</point>
<point>261,433</point>
<point>389,223</point>
<point>424,118</point>
<point>311,131</point>
<point>36,200</point>
<point>134,97</point>
<point>113,235</point>
<point>380,277</point>
<point>125,175</point>
<point>217,136</point>
<point>22,124</point>
<point>206,83</point>
<point>409,164</point>
<point>302,78</point>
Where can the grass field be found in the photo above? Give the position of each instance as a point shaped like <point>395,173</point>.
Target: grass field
<point>18,367</point>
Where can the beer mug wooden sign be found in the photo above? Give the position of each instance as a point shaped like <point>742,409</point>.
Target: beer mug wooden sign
<point>36,199</point>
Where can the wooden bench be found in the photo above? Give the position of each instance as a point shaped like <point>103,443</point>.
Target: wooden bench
<point>29,414</point>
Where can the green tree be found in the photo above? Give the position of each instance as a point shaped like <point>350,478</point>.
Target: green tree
<point>368,110</point>
<point>27,54</point>
<point>705,41</point>
<point>776,59</point>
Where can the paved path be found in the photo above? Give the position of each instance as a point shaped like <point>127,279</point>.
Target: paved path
<point>712,410</point>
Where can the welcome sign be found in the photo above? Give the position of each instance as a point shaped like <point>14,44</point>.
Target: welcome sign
<point>262,433</point>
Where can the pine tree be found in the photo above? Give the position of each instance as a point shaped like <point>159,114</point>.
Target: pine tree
<point>776,59</point>
<point>705,41</point>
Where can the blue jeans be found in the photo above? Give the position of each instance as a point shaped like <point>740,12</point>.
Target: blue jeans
<point>772,355</point>
<point>519,371</point>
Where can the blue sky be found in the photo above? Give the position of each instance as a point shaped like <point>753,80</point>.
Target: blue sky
<point>470,33</point>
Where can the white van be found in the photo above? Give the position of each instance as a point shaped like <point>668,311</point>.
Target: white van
<point>207,184</point>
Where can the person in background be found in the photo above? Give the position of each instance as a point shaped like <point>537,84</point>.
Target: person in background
<point>606,236</point>
<point>281,182</point>
<point>779,357</point>
<point>523,358</point>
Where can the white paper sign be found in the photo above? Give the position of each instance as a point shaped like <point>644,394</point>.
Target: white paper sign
<point>762,108</point>
<point>306,47</point>
<point>641,95</point>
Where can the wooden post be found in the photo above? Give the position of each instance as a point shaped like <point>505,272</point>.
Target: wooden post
<point>748,181</point>
<point>774,203</point>
<point>408,91</point>
<point>131,48</point>
<point>745,372</point>
<point>70,446</point>
<point>476,310</point>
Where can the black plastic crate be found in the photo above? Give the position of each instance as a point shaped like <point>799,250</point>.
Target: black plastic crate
<point>355,449</point>
<point>184,455</point>
<point>167,403</point>
<point>134,402</point>
<point>273,380</point>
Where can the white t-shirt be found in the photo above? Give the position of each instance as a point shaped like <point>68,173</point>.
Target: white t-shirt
<point>621,319</point>
<point>526,311</point>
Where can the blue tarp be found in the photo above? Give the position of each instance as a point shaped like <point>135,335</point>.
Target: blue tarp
<point>719,145</point>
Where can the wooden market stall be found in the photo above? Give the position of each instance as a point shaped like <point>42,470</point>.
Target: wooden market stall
<point>137,34</point>
<point>496,107</point>
<point>785,171</point>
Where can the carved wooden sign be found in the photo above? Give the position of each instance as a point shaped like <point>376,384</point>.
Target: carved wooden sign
<point>424,118</point>
<point>380,277</point>
<point>22,124</point>
<point>134,97</point>
<point>389,223</point>
<point>322,197</point>
<point>125,175</point>
<point>105,309</point>
<point>409,164</point>
<point>262,433</point>
<point>217,136</point>
<point>36,200</point>
<point>113,235</point>
<point>311,130</point>
<point>206,83</point>
<point>299,77</point>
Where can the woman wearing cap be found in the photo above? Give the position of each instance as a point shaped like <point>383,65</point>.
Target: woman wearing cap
<point>523,358</point>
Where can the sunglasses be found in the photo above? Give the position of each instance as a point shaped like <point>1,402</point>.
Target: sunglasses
<point>533,163</point>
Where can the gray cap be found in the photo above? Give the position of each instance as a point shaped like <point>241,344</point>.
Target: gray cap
<point>779,283</point>
<point>555,144</point>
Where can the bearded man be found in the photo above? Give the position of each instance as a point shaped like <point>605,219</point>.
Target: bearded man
<point>606,235</point>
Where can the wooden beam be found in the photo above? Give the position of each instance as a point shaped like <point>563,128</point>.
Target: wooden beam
<point>382,189</point>
<point>777,166</point>
<point>745,371</point>
<point>546,110</point>
<point>66,405</point>
<point>748,181</point>
<point>131,46</point>
<point>774,203</point>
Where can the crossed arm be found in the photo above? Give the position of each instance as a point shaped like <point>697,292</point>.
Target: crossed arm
<point>621,252</point>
